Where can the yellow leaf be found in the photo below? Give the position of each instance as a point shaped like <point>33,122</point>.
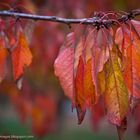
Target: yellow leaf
<point>116,94</point>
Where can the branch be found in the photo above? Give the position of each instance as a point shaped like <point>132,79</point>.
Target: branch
<point>95,21</point>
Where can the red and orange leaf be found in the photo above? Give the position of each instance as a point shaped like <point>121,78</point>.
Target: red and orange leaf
<point>79,91</point>
<point>116,94</point>
<point>89,88</point>
<point>84,88</point>
<point>100,55</point>
<point>21,56</point>
<point>64,64</point>
<point>79,85</point>
<point>90,55</point>
<point>131,62</point>
<point>132,72</point>
<point>3,57</point>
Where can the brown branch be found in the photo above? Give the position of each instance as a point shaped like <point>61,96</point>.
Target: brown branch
<point>95,21</point>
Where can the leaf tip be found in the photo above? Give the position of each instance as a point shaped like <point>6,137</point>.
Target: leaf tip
<point>122,128</point>
<point>80,114</point>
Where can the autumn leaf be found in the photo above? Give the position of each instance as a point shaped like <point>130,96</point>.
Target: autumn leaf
<point>84,88</point>
<point>131,63</point>
<point>82,56</point>
<point>88,86</point>
<point>79,98</point>
<point>116,94</point>
<point>3,57</point>
<point>101,82</point>
<point>79,91</point>
<point>132,71</point>
<point>99,68</point>
<point>21,56</point>
<point>64,64</point>
<point>78,85</point>
<point>85,95</point>
<point>100,55</point>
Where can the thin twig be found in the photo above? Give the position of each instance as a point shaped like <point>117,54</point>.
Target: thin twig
<point>88,21</point>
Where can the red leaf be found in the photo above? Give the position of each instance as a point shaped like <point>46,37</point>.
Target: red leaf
<point>63,66</point>
<point>131,61</point>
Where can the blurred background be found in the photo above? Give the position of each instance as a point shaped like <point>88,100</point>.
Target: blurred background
<point>40,109</point>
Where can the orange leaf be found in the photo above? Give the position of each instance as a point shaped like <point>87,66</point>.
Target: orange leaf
<point>131,62</point>
<point>84,88</point>
<point>101,82</point>
<point>132,71</point>
<point>21,56</point>
<point>3,56</point>
<point>88,84</point>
